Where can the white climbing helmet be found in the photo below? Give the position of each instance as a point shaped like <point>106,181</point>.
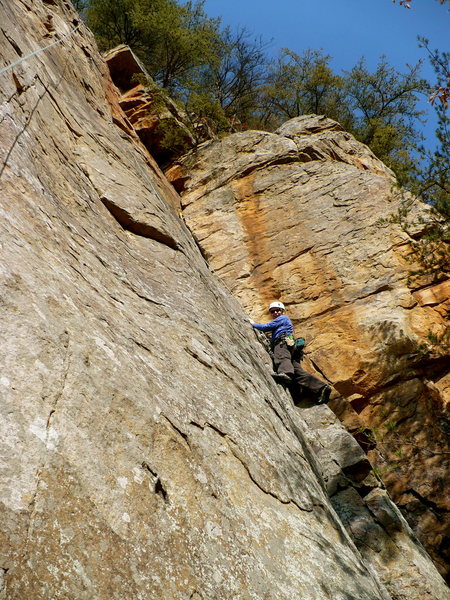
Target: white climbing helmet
<point>276,305</point>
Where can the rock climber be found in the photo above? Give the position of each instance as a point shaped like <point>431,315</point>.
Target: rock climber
<point>282,343</point>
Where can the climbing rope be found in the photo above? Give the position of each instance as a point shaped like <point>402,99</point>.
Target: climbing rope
<point>39,50</point>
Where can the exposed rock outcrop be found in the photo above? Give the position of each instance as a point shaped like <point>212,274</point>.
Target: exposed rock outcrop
<point>164,129</point>
<point>146,451</point>
<point>295,215</point>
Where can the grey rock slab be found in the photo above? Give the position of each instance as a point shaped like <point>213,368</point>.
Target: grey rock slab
<point>147,452</point>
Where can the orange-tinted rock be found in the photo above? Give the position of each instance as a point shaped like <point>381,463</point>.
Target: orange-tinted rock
<point>146,452</point>
<point>434,295</point>
<point>296,215</point>
<point>124,67</point>
<point>164,129</point>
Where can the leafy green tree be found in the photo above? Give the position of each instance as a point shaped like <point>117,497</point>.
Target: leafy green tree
<point>430,252</point>
<point>171,39</point>
<point>302,84</point>
<point>434,175</point>
<point>384,105</point>
<point>112,23</point>
<point>232,82</point>
<point>205,113</point>
<point>433,185</point>
<point>241,70</point>
<point>177,39</point>
<point>225,77</point>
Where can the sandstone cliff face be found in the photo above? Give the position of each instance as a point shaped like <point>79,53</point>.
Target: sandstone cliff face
<point>146,452</point>
<point>162,126</point>
<point>295,215</point>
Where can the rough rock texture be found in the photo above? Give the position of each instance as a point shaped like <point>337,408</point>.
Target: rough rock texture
<point>164,129</point>
<point>376,525</point>
<point>146,452</point>
<point>295,215</point>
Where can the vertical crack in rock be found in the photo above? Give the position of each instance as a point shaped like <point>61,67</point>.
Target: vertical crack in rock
<point>159,488</point>
<point>234,449</point>
<point>65,342</point>
<point>161,491</point>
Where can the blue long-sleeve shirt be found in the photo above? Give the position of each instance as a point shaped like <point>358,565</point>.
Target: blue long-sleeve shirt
<point>282,325</point>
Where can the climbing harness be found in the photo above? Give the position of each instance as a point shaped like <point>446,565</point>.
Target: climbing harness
<point>295,345</point>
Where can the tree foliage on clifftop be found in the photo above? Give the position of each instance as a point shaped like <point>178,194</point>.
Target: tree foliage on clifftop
<point>379,107</point>
<point>432,184</point>
<point>227,78</point>
<point>299,84</point>
<point>172,39</point>
<point>430,251</point>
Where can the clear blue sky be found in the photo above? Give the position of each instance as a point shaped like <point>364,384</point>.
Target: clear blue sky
<point>345,29</point>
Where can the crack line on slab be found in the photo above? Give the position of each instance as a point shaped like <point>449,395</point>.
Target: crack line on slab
<point>230,443</point>
<point>24,126</point>
<point>122,279</point>
<point>58,395</point>
<point>158,486</point>
<point>292,258</point>
<point>259,486</point>
<point>126,220</point>
<point>319,370</point>
<point>178,430</point>
<point>66,365</point>
<point>278,414</point>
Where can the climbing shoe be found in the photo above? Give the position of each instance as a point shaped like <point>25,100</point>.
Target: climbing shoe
<point>282,377</point>
<point>324,395</point>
